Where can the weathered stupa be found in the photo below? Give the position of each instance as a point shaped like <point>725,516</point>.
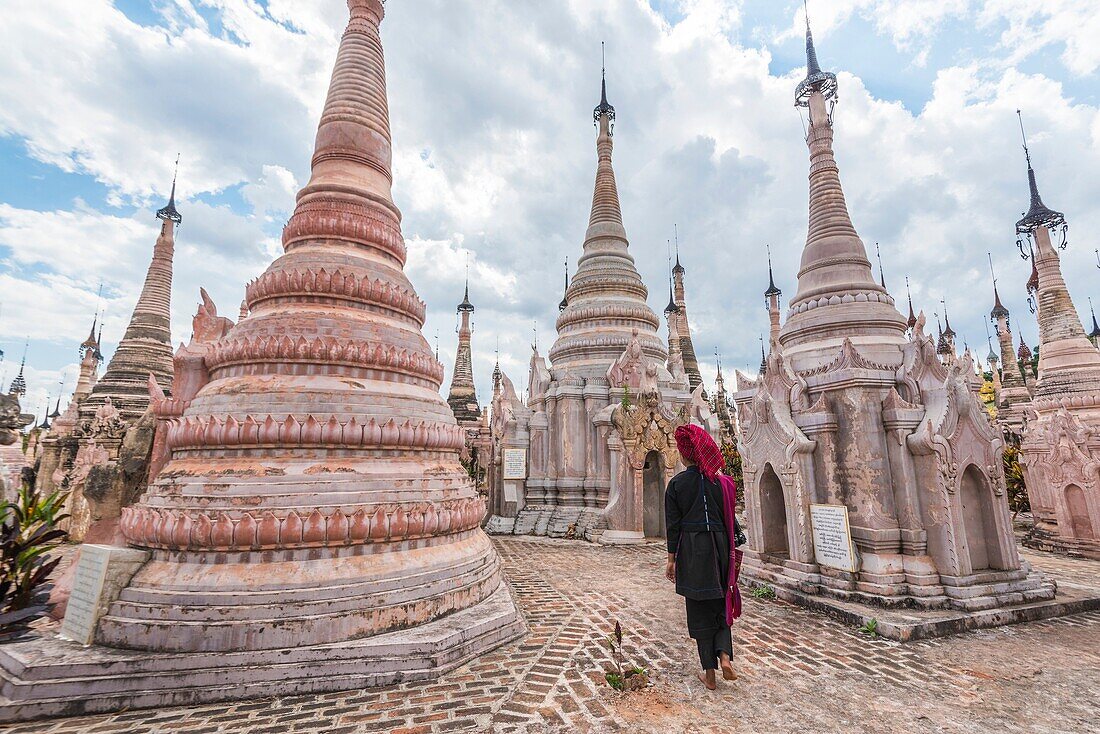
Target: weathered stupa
<point>1012,391</point>
<point>82,453</point>
<point>59,448</point>
<point>319,463</point>
<point>683,328</point>
<point>1060,450</point>
<point>591,469</point>
<point>852,415</point>
<point>146,347</point>
<point>313,526</point>
<point>462,397</point>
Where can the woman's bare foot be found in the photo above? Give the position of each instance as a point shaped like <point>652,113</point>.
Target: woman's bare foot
<point>707,677</point>
<point>727,668</point>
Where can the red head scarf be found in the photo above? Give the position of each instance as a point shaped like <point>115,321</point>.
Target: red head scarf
<point>696,446</point>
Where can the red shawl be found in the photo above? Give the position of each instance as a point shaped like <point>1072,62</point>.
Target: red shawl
<point>729,506</point>
<point>697,447</point>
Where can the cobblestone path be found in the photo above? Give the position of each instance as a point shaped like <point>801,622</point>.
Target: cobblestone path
<point>799,672</point>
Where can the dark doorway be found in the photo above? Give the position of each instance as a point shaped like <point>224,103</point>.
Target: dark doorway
<point>653,497</point>
<point>773,512</point>
<point>1079,512</point>
<point>979,521</point>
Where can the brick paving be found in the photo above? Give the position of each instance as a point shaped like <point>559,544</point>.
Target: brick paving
<point>800,672</point>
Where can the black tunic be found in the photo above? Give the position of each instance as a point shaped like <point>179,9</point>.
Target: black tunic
<point>697,535</point>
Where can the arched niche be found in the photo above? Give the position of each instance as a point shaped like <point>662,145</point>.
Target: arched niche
<point>773,514</point>
<point>653,496</point>
<point>979,521</point>
<point>1078,508</point>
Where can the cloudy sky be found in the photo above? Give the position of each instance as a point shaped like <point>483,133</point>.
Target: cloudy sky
<point>494,152</point>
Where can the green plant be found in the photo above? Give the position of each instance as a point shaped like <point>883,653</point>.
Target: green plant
<point>630,678</point>
<point>626,397</point>
<point>615,642</point>
<point>762,591</point>
<point>870,628</point>
<point>472,465</point>
<point>28,532</point>
<point>732,458</point>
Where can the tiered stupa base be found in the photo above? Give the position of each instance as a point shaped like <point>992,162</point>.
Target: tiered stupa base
<point>910,618</point>
<point>1045,537</point>
<point>47,677</point>
<point>984,599</point>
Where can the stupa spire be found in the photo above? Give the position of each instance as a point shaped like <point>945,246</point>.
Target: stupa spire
<point>910,322</point>
<point>1094,335</point>
<point>45,424</point>
<point>816,80</point>
<point>838,296</point>
<point>146,346</point>
<point>19,384</point>
<point>771,301</point>
<point>671,308</point>
<point>687,345</point>
<point>1068,362</point>
<point>91,343</point>
<point>999,311</point>
<point>462,396</point>
<point>606,219</point>
<point>1038,214</point>
<point>169,213</point>
<point>772,290</point>
<point>57,408</point>
<point>991,356</point>
<point>677,268</point>
<point>605,300</point>
<point>565,292</point>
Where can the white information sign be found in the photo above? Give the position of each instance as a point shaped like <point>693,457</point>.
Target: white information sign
<point>515,464</point>
<point>82,613</point>
<point>833,537</point>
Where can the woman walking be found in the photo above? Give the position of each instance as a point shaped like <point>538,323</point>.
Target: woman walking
<point>703,559</point>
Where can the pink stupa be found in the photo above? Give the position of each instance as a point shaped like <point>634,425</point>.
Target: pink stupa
<point>314,493</point>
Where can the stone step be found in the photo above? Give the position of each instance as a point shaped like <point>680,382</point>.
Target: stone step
<point>528,519</point>
<point>155,605</point>
<point>542,522</point>
<point>498,525</point>
<point>47,677</point>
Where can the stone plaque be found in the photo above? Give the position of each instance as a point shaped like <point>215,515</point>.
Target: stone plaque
<point>833,537</point>
<point>510,493</point>
<point>101,573</point>
<point>515,464</point>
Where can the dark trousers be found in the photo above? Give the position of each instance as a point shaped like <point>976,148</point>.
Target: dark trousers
<point>707,626</point>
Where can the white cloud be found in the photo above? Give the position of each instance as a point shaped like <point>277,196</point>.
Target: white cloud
<point>273,193</point>
<point>1072,24</point>
<point>494,153</point>
<point>904,21</point>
